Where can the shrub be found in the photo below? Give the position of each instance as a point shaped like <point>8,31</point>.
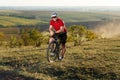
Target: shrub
<point>1,38</point>
<point>1,35</point>
<point>31,37</point>
<point>46,37</point>
<point>25,36</point>
<point>20,43</point>
<point>12,42</point>
<point>90,35</point>
<point>69,37</point>
<point>79,34</point>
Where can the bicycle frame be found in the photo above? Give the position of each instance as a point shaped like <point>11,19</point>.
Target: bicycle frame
<point>58,43</point>
<point>56,49</point>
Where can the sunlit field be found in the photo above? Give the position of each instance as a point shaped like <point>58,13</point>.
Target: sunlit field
<point>92,60</point>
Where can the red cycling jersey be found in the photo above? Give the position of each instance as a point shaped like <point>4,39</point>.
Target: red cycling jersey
<point>57,24</point>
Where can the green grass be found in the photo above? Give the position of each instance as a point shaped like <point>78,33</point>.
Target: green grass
<point>93,60</point>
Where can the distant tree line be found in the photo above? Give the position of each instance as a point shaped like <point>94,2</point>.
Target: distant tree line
<point>20,16</point>
<point>23,16</point>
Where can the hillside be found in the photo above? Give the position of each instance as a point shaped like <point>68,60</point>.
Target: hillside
<point>7,21</point>
<point>21,17</point>
<point>93,60</point>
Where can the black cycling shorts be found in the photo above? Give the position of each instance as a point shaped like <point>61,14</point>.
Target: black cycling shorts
<point>63,37</point>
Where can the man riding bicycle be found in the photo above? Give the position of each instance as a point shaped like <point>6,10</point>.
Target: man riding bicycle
<point>57,26</point>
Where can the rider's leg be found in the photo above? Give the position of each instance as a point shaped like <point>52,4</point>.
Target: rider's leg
<point>63,39</point>
<point>51,38</point>
<point>63,50</point>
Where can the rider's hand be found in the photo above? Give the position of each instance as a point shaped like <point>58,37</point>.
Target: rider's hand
<point>51,33</point>
<point>54,31</point>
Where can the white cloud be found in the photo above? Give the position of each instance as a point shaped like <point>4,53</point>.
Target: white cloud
<point>59,3</point>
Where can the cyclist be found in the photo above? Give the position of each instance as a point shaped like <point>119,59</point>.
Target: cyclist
<point>58,26</point>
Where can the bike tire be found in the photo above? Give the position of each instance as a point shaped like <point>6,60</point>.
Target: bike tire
<point>52,49</point>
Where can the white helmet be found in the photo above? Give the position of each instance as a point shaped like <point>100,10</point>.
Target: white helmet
<point>54,14</point>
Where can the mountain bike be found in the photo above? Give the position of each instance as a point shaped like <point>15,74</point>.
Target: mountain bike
<point>54,50</point>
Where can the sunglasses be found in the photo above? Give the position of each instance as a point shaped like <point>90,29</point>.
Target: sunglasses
<point>54,17</point>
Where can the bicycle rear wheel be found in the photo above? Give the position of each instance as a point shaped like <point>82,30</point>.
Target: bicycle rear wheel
<point>51,52</point>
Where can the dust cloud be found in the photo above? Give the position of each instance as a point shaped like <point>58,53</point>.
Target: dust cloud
<point>108,29</point>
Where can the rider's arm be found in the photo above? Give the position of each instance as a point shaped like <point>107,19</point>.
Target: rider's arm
<point>61,30</point>
<point>50,28</point>
<point>62,27</point>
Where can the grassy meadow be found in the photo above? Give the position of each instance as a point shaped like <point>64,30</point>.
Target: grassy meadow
<point>93,60</point>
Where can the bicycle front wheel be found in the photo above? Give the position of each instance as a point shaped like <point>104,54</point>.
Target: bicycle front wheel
<point>51,52</point>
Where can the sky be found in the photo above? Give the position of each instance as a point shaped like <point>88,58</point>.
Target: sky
<point>59,2</point>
